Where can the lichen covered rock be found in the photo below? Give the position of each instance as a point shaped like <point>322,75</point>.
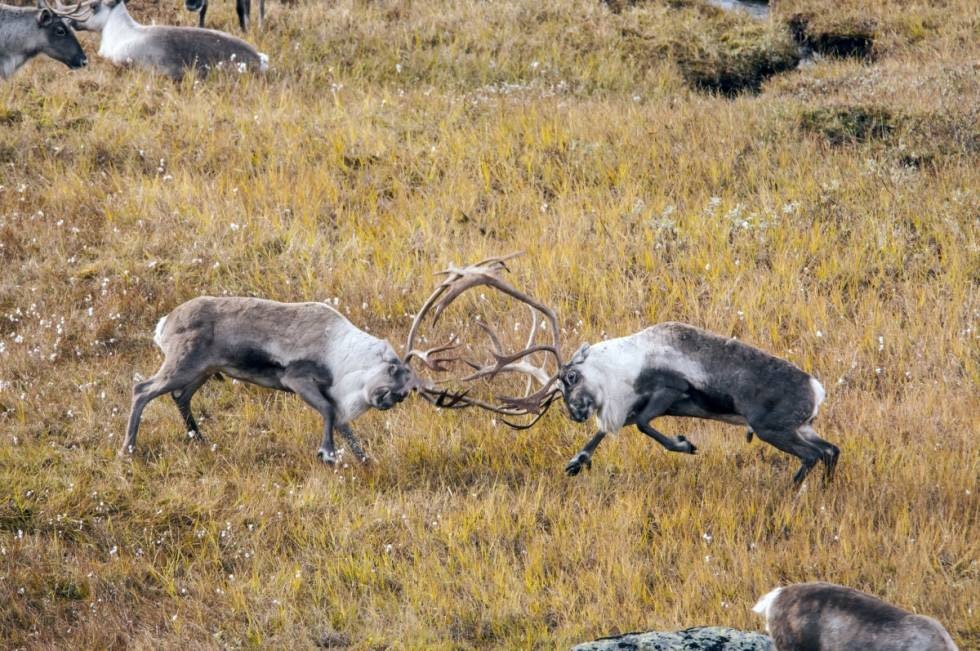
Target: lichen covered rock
<point>703,638</point>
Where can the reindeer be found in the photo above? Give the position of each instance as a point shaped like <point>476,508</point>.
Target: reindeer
<point>669,369</point>
<point>242,7</point>
<point>674,369</point>
<point>828,617</point>
<point>163,48</point>
<point>27,32</point>
<point>308,349</point>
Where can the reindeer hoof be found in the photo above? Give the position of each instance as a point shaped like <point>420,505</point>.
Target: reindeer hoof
<point>326,456</point>
<point>685,446</point>
<point>574,466</point>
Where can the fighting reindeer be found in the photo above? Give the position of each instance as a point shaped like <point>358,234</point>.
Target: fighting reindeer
<point>163,48</point>
<point>669,369</point>
<point>26,32</point>
<point>309,349</point>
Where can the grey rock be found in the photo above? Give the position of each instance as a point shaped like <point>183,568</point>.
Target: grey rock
<point>701,638</point>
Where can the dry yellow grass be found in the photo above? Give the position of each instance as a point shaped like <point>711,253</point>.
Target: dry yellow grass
<point>390,139</point>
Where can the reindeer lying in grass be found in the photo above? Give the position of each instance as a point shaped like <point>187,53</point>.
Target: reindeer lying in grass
<point>670,369</point>
<point>828,617</point>
<point>308,349</point>
<point>170,50</point>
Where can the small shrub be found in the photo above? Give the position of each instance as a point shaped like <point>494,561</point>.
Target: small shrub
<point>839,37</point>
<point>849,124</point>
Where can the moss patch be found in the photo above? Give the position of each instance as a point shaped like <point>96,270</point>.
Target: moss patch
<point>716,50</point>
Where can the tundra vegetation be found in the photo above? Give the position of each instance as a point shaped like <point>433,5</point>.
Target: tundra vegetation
<point>829,218</point>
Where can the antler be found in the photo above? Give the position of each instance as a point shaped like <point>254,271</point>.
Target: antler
<point>79,11</point>
<point>459,280</point>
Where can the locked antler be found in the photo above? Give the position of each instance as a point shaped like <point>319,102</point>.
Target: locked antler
<point>459,280</point>
<point>82,10</point>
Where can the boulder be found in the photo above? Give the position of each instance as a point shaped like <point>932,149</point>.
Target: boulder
<point>701,638</point>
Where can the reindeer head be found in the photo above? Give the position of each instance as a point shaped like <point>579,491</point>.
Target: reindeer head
<point>580,390</point>
<point>57,39</point>
<point>389,384</point>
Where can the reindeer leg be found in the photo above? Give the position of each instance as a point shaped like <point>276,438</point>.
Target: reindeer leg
<point>584,456</point>
<point>352,441</point>
<point>657,405</point>
<point>183,399</point>
<point>791,442</point>
<point>169,378</point>
<point>673,444</point>
<point>202,14</point>
<point>309,390</point>
<point>243,8</point>
<point>828,451</point>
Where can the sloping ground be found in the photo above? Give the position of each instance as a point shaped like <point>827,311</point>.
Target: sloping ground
<point>831,219</point>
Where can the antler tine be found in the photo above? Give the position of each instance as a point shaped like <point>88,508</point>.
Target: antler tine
<point>459,280</point>
<point>505,363</point>
<point>436,364</point>
<point>83,8</point>
<point>532,334</point>
<point>542,410</point>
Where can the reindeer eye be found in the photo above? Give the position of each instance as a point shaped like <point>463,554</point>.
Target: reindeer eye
<point>571,378</point>
<point>59,30</point>
<point>392,370</point>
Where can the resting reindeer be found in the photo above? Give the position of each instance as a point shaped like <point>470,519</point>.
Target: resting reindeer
<point>308,349</point>
<point>166,49</point>
<point>670,369</point>
<point>26,33</point>
<point>828,617</point>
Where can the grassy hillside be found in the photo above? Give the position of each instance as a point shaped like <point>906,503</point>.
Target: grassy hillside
<point>831,218</point>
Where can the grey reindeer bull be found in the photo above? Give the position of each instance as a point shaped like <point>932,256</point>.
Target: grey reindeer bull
<point>26,33</point>
<point>669,369</point>
<point>308,349</point>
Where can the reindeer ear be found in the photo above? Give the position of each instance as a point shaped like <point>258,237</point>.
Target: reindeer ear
<point>44,17</point>
<point>580,354</point>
